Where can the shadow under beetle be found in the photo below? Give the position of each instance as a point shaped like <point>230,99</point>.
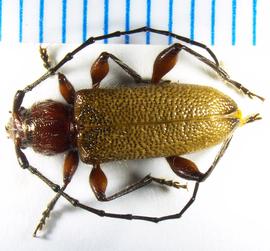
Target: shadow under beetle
<point>157,119</point>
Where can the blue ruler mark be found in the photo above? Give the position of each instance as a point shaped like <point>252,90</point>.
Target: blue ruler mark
<point>20,21</point>
<point>106,19</point>
<point>192,19</point>
<point>84,25</point>
<point>0,20</point>
<point>170,21</point>
<point>148,8</point>
<point>148,20</point>
<point>213,21</point>
<point>127,26</point>
<point>41,20</point>
<point>234,5</point>
<point>64,21</point>
<point>254,23</point>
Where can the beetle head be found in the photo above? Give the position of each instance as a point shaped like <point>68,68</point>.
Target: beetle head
<point>16,128</point>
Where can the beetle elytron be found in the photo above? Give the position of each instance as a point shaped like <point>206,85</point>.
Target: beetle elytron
<point>158,119</point>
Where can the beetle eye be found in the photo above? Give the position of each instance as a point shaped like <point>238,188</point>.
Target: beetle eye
<point>22,111</point>
<point>23,146</point>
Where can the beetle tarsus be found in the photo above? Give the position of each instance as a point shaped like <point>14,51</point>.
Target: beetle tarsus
<point>45,57</point>
<point>170,183</point>
<point>47,212</point>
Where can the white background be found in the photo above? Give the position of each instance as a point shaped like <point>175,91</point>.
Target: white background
<point>233,205</point>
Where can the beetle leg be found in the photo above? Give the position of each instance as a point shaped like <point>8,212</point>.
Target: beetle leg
<point>76,203</point>
<point>221,73</point>
<point>164,62</point>
<point>184,168</point>
<point>66,88</point>
<point>70,166</point>
<point>98,182</point>
<point>100,69</point>
<point>187,169</point>
<point>91,40</point>
<point>217,158</point>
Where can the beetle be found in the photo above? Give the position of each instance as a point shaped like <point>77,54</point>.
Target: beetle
<point>157,119</point>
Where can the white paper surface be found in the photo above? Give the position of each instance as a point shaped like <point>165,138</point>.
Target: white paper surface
<point>232,208</point>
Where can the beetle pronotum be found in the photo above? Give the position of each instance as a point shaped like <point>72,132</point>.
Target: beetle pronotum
<point>158,119</point>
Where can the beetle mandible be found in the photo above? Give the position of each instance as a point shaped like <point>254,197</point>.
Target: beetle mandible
<point>158,119</point>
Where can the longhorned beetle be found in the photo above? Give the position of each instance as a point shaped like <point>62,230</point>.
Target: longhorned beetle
<point>157,119</point>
